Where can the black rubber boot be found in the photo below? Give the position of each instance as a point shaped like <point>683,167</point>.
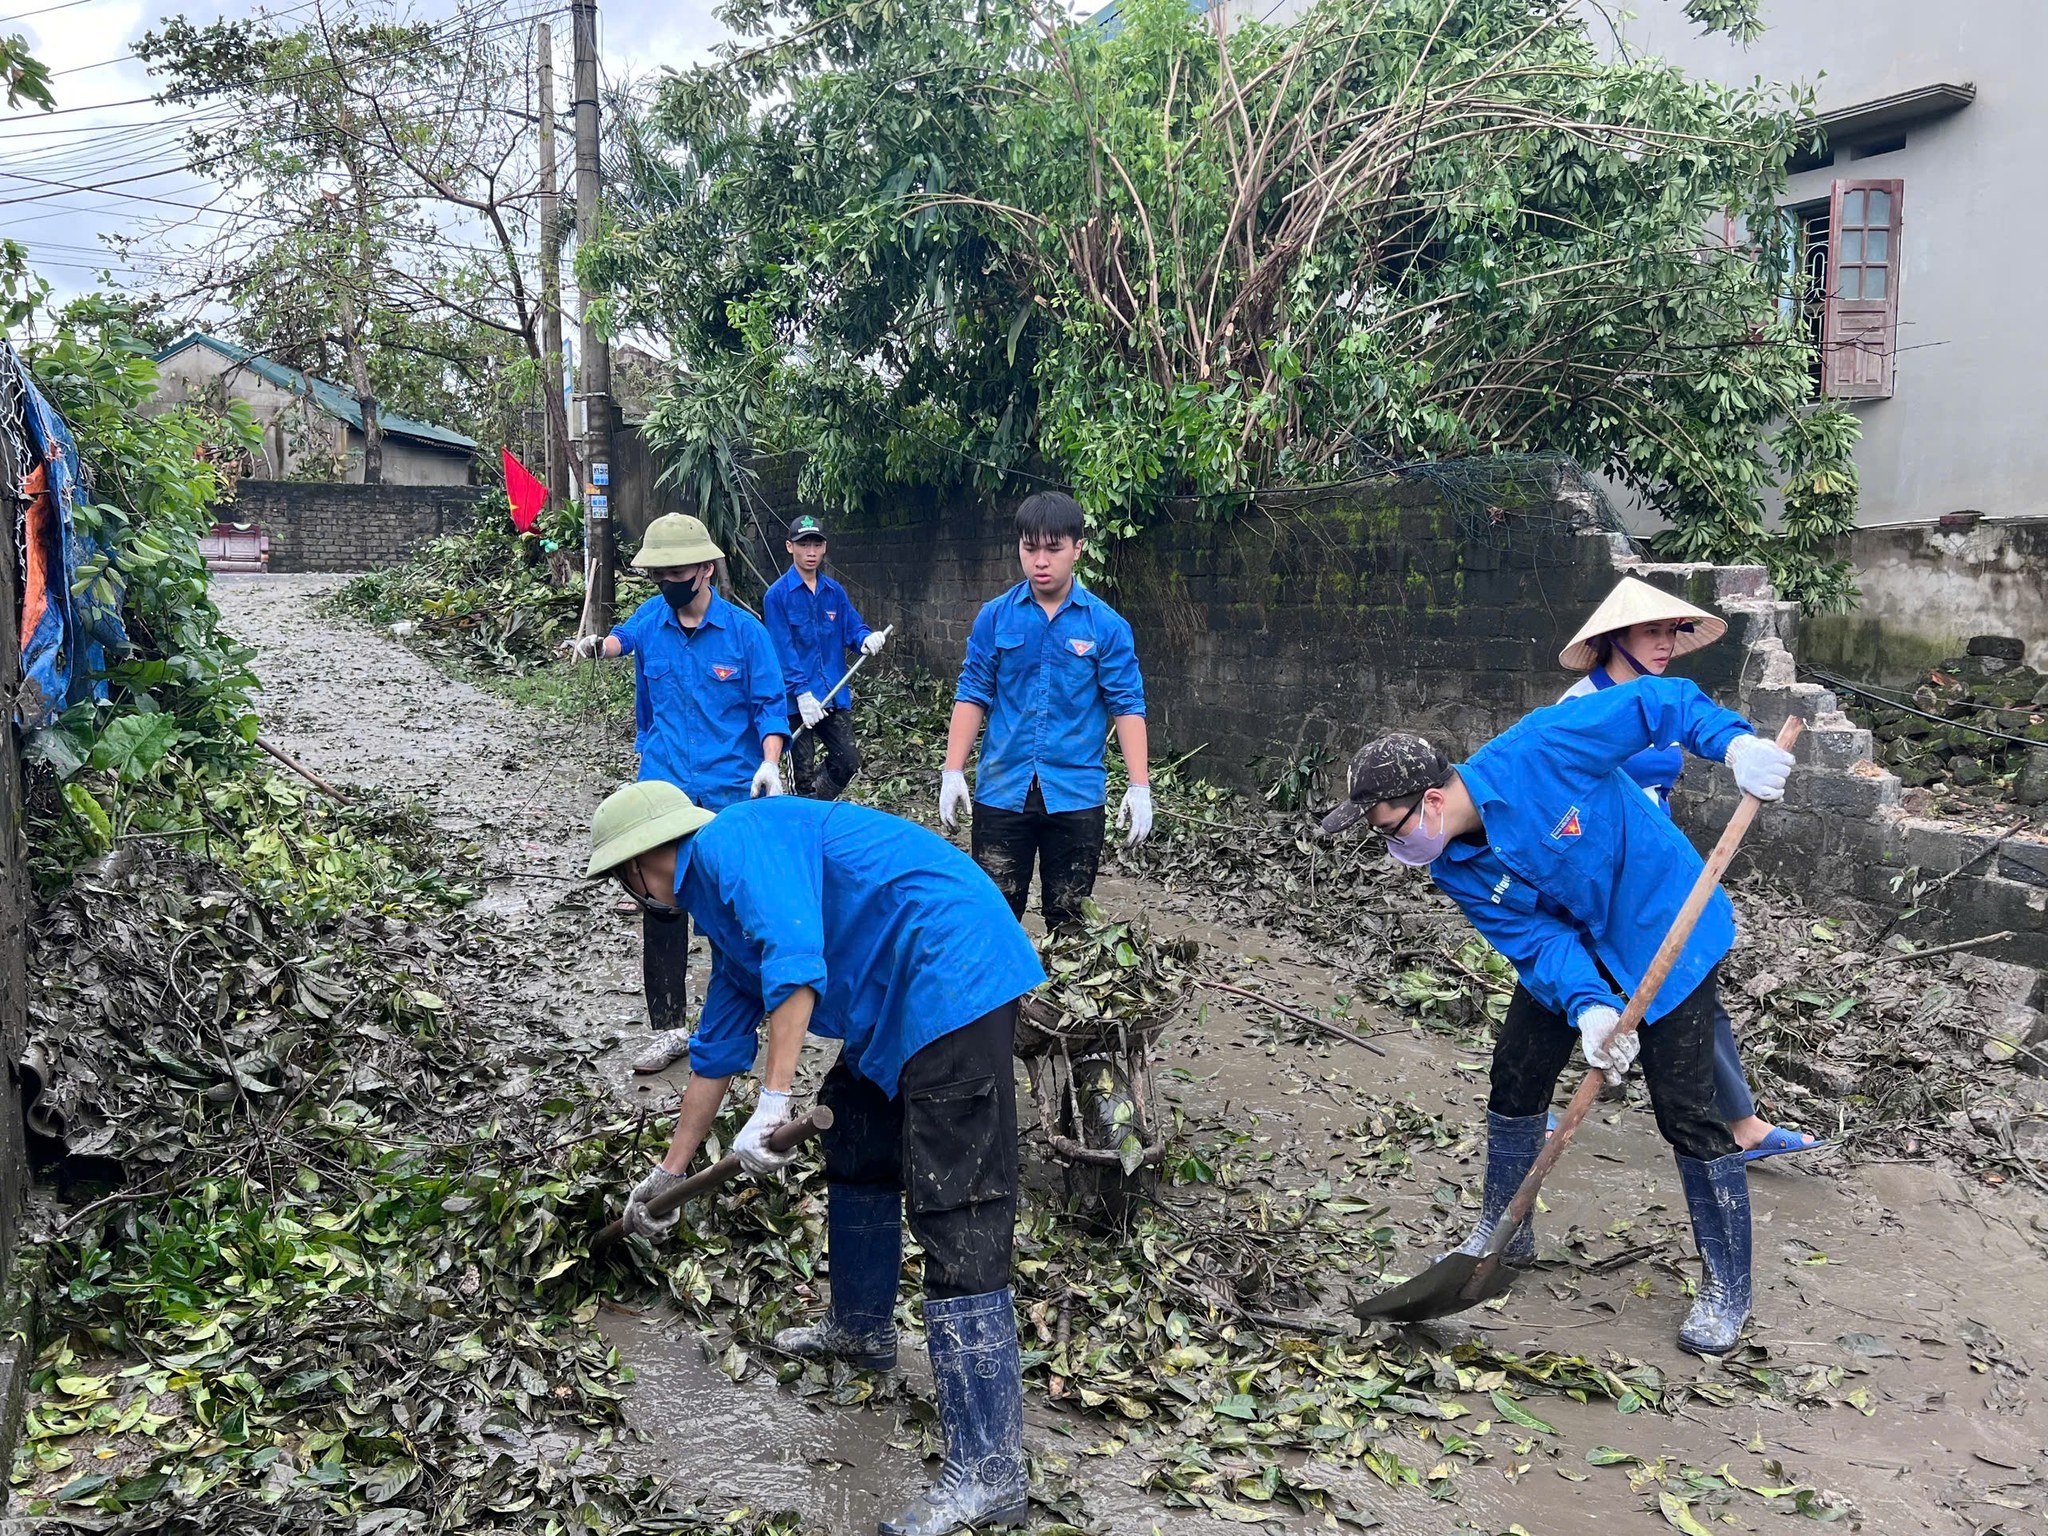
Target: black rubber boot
<point>1512,1142</point>
<point>864,1226</point>
<point>979,1374</point>
<point>1717,1195</point>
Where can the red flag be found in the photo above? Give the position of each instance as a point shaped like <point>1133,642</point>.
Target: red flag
<point>527,494</point>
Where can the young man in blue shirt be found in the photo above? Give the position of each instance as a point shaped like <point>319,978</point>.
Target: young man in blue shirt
<point>1050,666</point>
<point>860,927</point>
<point>814,624</point>
<point>1566,868</point>
<point>708,702</point>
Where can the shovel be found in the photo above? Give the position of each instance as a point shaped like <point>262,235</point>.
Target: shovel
<point>1460,1280</point>
<point>724,1171</point>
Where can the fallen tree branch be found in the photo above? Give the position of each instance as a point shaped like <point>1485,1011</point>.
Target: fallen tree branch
<point>1943,949</point>
<point>1293,1013</point>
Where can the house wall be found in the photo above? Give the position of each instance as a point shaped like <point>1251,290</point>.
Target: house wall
<point>328,527</point>
<point>1926,590</point>
<point>296,435</point>
<point>1959,433</point>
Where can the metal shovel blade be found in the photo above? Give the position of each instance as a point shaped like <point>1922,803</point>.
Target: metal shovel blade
<point>1453,1283</point>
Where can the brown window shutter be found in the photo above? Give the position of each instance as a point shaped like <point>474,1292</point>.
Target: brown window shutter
<point>1860,330</point>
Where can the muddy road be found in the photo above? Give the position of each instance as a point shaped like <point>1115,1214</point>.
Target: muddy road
<point>1917,1294</point>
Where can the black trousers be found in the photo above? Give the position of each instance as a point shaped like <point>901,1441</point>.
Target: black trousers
<point>665,971</point>
<point>1677,1059</point>
<point>1067,846</point>
<point>948,1140</point>
<point>842,757</point>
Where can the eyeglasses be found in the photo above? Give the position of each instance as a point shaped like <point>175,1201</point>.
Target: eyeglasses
<point>1390,833</point>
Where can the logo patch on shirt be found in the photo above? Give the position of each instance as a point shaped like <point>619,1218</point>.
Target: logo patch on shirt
<point>1500,888</point>
<point>724,673</point>
<point>1568,826</point>
<point>1080,647</point>
<point>831,613</point>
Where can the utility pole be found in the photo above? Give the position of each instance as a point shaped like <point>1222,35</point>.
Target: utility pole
<point>594,389</point>
<point>557,414</point>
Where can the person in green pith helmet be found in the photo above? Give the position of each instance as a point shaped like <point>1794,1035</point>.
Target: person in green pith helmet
<point>708,709</point>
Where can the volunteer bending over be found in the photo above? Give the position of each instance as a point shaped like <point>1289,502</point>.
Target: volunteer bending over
<point>1565,868</point>
<point>857,926</point>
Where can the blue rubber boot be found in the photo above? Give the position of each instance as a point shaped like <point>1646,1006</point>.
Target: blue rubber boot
<point>1512,1142</point>
<point>1717,1195</point>
<point>975,1363</point>
<point>864,1227</point>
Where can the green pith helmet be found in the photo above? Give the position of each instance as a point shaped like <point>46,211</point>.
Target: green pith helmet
<point>677,539</point>
<point>637,819</point>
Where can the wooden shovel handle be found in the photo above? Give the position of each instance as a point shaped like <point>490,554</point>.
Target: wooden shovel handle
<point>1646,991</point>
<point>724,1171</point>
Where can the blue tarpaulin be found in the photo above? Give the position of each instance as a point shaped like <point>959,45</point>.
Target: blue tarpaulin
<point>71,596</point>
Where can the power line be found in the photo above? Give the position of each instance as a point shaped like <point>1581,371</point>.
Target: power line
<point>46,10</point>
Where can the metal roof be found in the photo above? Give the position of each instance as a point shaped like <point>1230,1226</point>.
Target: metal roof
<point>330,397</point>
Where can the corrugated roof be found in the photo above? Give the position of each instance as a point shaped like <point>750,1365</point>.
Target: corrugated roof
<point>330,397</point>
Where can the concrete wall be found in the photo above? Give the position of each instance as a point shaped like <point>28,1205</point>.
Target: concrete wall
<point>350,527</point>
<point>296,434</point>
<point>1927,590</point>
<point>1280,641</point>
<point>1959,433</point>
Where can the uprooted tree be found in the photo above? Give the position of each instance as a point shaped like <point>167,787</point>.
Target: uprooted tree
<point>933,240</point>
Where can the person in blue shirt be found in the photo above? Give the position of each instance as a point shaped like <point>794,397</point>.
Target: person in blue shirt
<point>814,624</point>
<point>1564,866</point>
<point>1636,632</point>
<point>708,702</point>
<point>1050,667</point>
<point>863,928</point>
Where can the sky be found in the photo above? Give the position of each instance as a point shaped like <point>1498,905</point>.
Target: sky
<point>111,162</point>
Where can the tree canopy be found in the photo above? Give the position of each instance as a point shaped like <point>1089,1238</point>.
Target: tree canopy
<point>951,240</point>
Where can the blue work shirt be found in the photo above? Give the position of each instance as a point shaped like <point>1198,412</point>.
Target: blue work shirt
<point>1051,688</point>
<point>812,632</point>
<point>1578,869</point>
<point>705,700</point>
<point>901,935</point>
<point>1656,769</point>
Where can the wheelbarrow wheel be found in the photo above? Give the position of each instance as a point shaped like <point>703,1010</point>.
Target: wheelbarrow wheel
<point>1107,1192</point>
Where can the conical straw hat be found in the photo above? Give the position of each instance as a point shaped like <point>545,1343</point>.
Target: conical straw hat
<point>1637,602</point>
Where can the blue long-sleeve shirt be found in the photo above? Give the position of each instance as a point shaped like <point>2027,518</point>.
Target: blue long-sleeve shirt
<point>1655,768</point>
<point>1051,688</point>
<point>1578,869</point>
<point>901,935</point>
<point>705,700</point>
<point>812,632</point>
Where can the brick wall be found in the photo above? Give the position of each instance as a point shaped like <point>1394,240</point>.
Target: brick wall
<point>350,527</point>
<point>1314,620</point>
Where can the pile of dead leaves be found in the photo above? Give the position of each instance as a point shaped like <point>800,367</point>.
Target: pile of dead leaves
<point>341,1288</point>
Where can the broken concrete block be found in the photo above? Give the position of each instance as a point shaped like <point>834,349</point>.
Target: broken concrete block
<point>2031,788</point>
<point>2019,1035</point>
<point>1998,986</point>
<point>2006,648</point>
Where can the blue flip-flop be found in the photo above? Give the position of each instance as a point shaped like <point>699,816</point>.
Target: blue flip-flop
<point>1779,1142</point>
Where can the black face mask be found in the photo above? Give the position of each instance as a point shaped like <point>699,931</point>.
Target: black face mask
<point>679,594</point>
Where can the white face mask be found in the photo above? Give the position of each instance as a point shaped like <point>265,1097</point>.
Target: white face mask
<point>1417,845</point>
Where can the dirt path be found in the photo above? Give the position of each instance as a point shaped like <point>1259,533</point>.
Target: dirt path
<point>1924,1290</point>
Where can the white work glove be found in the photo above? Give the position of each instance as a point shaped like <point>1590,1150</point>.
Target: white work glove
<point>875,641</point>
<point>810,709</point>
<point>952,795</point>
<point>1612,1053</point>
<point>653,1228</point>
<point>751,1145</point>
<point>767,781</point>
<point>1760,767</point>
<point>1136,813</point>
<point>583,647</point>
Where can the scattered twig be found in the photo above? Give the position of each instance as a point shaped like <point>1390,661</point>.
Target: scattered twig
<point>1293,1013</point>
<point>1942,949</point>
<point>302,771</point>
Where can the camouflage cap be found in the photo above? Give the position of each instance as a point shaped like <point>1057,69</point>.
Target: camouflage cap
<point>1394,767</point>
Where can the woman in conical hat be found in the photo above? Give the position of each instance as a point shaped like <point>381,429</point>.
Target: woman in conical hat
<point>1636,632</point>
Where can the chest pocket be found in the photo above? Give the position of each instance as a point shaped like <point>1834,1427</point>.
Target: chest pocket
<point>1076,666</point>
<point>1015,656</point>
